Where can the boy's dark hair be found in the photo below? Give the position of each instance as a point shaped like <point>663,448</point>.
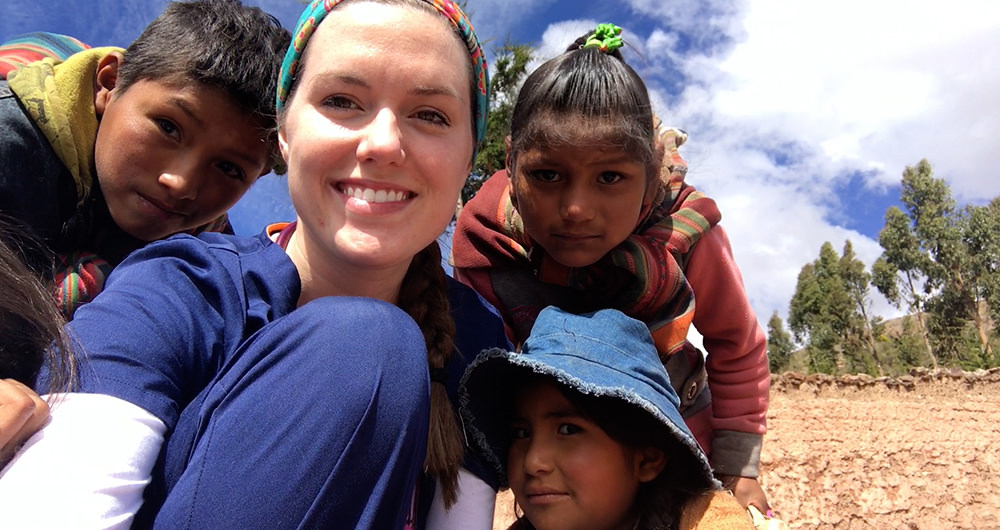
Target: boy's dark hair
<point>660,501</point>
<point>219,43</point>
<point>585,87</point>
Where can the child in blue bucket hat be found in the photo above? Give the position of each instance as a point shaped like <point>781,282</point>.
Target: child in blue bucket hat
<point>584,426</point>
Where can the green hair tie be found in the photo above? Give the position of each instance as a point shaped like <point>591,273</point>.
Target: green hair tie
<point>605,38</point>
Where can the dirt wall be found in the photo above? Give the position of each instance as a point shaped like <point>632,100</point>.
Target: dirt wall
<point>921,451</point>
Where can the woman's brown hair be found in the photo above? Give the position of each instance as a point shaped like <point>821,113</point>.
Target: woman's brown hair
<point>424,296</point>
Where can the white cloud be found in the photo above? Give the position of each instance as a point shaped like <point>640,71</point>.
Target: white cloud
<point>873,84</point>
<point>495,19</point>
<point>558,36</point>
<point>704,20</point>
<point>854,87</point>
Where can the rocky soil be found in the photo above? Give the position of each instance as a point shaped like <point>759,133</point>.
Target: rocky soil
<point>920,451</point>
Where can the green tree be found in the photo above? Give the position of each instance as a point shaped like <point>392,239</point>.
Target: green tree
<point>954,339</point>
<point>915,243</point>
<point>860,326</point>
<point>805,320</point>
<point>938,239</point>
<point>817,310</point>
<point>908,345</point>
<point>898,272</point>
<point>831,313</point>
<point>981,236</point>
<point>779,344</point>
<point>510,68</point>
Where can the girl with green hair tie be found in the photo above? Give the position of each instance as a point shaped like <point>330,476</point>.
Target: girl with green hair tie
<point>593,212</point>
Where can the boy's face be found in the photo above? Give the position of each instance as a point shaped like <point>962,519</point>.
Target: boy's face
<point>171,157</point>
<point>578,203</point>
<point>565,471</point>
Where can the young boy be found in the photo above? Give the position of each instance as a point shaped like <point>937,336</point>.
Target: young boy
<point>111,149</point>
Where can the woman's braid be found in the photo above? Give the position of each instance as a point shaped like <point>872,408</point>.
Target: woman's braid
<point>424,296</point>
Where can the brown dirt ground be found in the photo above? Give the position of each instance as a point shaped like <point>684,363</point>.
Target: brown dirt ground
<point>919,452</point>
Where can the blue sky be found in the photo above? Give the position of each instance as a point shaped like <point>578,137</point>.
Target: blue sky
<point>801,115</point>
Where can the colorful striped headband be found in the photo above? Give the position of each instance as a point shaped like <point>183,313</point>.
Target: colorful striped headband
<point>317,10</point>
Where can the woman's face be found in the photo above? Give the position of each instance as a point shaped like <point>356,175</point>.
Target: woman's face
<point>377,135</point>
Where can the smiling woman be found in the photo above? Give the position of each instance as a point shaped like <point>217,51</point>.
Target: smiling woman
<point>408,124</point>
<point>304,377</point>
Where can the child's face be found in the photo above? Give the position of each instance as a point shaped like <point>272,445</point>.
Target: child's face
<point>565,471</point>
<point>377,135</point>
<point>173,156</point>
<point>578,203</point>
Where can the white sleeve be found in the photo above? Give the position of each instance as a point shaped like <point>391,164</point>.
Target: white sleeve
<point>472,511</point>
<point>86,468</point>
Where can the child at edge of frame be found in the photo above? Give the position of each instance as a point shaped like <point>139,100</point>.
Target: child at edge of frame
<point>584,426</point>
<point>108,149</point>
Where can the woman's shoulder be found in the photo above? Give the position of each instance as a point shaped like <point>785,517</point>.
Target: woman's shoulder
<point>212,248</point>
<point>213,259</point>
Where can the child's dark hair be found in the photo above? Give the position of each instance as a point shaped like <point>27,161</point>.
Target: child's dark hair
<point>31,326</point>
<point>218,43</point>
<point>590,89</point>
<point>659,503</point>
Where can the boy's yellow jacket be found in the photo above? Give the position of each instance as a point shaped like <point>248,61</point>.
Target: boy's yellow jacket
<point>60,100</point>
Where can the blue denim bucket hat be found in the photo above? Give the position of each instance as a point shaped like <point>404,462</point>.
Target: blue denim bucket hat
<point>601,354</point>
